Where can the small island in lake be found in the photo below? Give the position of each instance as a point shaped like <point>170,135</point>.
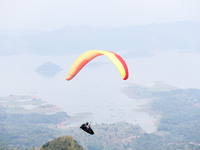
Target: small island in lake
<point>48,69</point>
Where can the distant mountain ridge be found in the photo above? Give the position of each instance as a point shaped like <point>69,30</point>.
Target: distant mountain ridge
<point>182,36</point>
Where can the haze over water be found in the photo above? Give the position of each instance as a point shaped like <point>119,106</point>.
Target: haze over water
<point>97,88</point>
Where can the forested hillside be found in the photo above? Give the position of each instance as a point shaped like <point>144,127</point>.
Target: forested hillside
<point>178,126</point>
<point>26,130</point>
<point>62,143</point>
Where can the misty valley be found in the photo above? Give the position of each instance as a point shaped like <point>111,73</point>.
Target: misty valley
<point>156,108</point>
<point>177,112</point>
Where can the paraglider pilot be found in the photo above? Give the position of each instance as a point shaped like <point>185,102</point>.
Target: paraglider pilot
<point>86,127</point>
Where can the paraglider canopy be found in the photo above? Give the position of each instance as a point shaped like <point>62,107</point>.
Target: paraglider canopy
<point>83,59</point>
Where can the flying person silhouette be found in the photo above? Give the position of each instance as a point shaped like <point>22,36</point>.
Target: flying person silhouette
<point>86,127</point>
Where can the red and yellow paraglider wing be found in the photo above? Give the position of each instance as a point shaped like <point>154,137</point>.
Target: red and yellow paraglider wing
<point>80,62</point>
<point>118,61</point>
<point>83,59</point>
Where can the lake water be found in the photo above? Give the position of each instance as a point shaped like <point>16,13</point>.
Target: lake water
<point>97,88</point>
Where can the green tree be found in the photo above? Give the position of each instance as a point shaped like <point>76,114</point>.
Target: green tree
<point>62,143</point>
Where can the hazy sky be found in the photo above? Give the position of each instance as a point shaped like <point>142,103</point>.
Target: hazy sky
<point>54,14</point>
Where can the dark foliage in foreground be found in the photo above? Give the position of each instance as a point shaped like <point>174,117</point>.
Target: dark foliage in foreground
<point>62,143</point>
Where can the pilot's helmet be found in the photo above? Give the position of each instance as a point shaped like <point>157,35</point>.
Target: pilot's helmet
<point>86,123</point>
